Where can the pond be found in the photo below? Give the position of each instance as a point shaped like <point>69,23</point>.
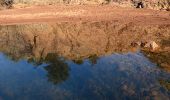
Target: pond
<point>38,63</point>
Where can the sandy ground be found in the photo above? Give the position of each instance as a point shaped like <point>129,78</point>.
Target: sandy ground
<point>76,13</point>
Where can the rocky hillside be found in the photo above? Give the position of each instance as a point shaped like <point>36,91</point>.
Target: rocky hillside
<point>153,4</point>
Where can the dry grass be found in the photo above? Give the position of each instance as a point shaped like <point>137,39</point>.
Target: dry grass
<point>164,4</point>
<point>156,4</point>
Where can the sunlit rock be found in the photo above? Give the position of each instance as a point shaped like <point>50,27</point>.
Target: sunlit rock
<point>151,45</point>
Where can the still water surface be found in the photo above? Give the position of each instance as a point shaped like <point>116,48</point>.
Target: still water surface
<point>117,76</point>
<point>84,61</point>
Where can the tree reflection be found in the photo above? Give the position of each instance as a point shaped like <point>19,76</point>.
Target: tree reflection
<point>79,61</point>
<point>93,59</point>
<point>57,69</point>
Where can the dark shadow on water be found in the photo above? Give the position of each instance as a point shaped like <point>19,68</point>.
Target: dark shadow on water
<point>93,59</point>
<point>165,83</point>
<point>78,61</point>
<point>162,59</point>
<point>58,70</point>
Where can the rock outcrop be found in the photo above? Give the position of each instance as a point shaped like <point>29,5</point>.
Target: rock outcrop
<point>151,45</point>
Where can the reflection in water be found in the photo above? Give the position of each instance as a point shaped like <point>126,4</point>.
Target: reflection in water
<point>93,59</point>
<point>118,76</point>
<point>67,61</point>
<point>165,83</point>
<point>162,56</point>
<point>79,61</point>
<point>75,40</point>
<point>162,59</point>
<point>57,69</point>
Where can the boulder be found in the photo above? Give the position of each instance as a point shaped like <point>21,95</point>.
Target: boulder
<point>151,45</point>
<point>138,44</point>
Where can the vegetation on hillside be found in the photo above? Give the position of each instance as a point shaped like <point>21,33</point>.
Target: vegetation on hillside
<point>154,4</point>
<point>164,4</point>
<point>6,4</point>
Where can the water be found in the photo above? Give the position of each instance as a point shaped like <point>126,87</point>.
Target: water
<point>38,63</point>
<point>117,76</point>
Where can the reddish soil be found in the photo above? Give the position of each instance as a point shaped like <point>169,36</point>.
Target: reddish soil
<point>63,13</point>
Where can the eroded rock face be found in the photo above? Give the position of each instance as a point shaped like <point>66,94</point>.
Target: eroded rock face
<point>75,40</point>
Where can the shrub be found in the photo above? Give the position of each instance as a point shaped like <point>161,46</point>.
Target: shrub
<point>6,4</point>
<point>164,4</point>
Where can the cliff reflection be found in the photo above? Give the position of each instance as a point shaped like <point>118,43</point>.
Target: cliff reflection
<point>92,60</point>
<point>39,43</point>
<point>75,40</point>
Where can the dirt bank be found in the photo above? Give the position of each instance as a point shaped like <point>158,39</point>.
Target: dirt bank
<point>63,13</point>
